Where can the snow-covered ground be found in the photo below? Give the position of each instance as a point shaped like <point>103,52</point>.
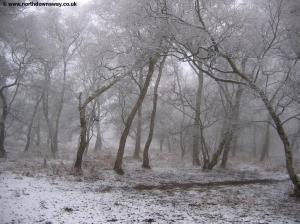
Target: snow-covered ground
<point>36,195</point>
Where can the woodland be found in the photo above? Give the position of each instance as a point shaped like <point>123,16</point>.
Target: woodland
<point>150,111</point>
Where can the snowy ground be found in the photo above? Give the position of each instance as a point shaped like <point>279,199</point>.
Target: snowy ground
<point>41,196</point>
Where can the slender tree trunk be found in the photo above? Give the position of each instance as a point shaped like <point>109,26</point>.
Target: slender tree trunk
<point>137,147</point>
<point>46,109</point>
<point>278,124</point>
<point>254,142</point>
<point>266,144</point>
<point>83,121</point>
<point>3,116</point>
<point>196,126</point>
<point>152,119</point>
<point>217,154</point>
<point>28,139</point>
<point>98,143</point>
<point>226,151</point>
<point>83,133</point>
<point>169,144</point>
<point>59,110</point>
<point>236,118</point>
<point>232,124</point>
<point>120,153</point>
<point>181,132</point>
<point>294,138</point>
<point>38,132</point>
<point>281,132</point>
<point>161,143</point>
<point>205,151</point>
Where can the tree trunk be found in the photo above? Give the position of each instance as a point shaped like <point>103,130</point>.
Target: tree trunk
<point>266,145</point>
<point>295,138</point>
<point>98,143</point>
<point>215,157</point>
<point>161,143</point>
<point>28,139</point>
<point>59,110</point>
<point>83,122</point>
<point>204,147</point>
<point>236,118</point>
<point>226,151</point>
<point>182,123</point>
<point>38,132</point>
<point>233,125</point>
<point>196,126</point>
<point>3,116</point>
<point>120,153</point>
<point>254,142</point>
<point>281,132</point>
<point>137,147</point>
<point>279,128</point>
<point>83,133</point>
<point>152,119</point>
<point>46,109</point>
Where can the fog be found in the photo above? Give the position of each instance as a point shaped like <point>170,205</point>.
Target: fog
<point>187,110</point>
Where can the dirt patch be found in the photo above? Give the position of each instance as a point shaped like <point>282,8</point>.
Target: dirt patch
<point>184,186</point>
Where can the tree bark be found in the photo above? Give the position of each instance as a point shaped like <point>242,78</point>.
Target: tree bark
<point>47,71</point>
<point>233,120</point>
<point>170,145</point>
<point>83,132</point>
<point>278,124</point>
<point>120,153</point>
<point>38,132</point>
<point>152,120</point>
<point>281,132</point>
<point>217,154</point>
<point>266,144</point>
<point>196,126</point>
<point>236,118</point>
<point>83,123</point>
<point>98,143</point>
<point>59,110</point>
<point>28,137</point>
<point>137,147</point>
<point>161,143</point>
<point>3,116</point>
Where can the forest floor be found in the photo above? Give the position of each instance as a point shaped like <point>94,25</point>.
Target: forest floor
<point>34,192</point>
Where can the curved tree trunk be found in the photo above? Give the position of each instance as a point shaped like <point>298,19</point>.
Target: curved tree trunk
<point>152,120</point>
<point>283,136</point>
<point>120,153</point>
<point>279,128</point>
